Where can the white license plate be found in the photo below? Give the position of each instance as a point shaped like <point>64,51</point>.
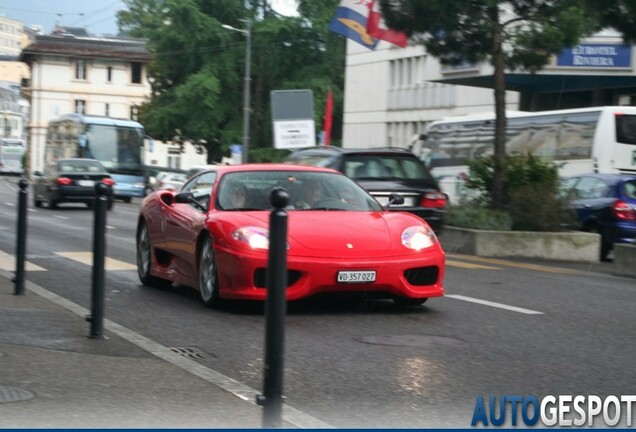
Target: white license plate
<point>348,276</point>
<point>86,182</point>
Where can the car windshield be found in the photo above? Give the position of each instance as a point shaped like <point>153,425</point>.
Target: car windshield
<point>250,190</point>
<point>381,166</point>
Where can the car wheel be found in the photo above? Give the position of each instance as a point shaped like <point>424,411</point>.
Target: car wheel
<point>410,302</point>
<point>127,200</point>
<point>606,247</point>
<point>51,203</point>
<point>208,281</point>
<point>144,259</point>
<point>36,202</point>
<point>110,204</point>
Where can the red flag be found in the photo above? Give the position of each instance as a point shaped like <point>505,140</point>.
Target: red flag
<point>377,28</point>
<point>326,125</point>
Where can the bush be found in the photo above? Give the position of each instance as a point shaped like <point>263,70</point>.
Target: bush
<point>476,216</point>
<point>531,194</point>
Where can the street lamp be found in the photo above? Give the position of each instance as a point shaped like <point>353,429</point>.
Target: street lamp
<point>246,83</point>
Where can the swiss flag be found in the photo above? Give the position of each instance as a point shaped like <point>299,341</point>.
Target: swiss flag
<point>377,28</point>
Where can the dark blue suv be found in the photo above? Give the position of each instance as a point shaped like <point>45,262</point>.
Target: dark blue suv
<point>604,204</point>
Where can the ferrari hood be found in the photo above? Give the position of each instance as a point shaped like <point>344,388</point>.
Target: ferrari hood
<point>334,233</point>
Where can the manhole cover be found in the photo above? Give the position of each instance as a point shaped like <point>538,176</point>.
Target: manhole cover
<point>12,394</point>
<point>189,352</point>
<point>411,340</point>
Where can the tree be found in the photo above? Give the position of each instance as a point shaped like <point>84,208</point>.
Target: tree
<point>198,67</point>
<point>522,34</point>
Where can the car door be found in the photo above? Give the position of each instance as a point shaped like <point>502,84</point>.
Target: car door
<point>184,222</point>
<point>591,200</point>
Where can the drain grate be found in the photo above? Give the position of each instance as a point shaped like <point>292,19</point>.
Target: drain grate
<point>12,394</point>
<point>411,340</point>
<point>189,352</point>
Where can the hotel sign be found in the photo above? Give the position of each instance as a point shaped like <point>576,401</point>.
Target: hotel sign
<point>596,56</point>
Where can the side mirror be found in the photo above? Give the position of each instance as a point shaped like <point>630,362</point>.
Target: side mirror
<point>183,198</point>
<point>394,198</point>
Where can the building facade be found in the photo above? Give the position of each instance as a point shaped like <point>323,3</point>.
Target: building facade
<point>87,75</point>
<point>391,93</point>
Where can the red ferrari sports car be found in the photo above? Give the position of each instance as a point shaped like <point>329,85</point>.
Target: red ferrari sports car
<point>213,235</point>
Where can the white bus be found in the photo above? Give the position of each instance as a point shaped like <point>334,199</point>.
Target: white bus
<point>11,155</point>
<point>582,140</point>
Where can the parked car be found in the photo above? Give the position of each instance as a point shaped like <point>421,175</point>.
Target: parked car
<point>383,171</point>
<point>69,181</point>
<point>213,236</point>
<point>150,174</point>
<point>170,180</point>
<point>604,204</point>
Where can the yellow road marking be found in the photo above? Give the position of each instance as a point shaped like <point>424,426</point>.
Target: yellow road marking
<point>515,264</point>
<point>87,258</point>
<point>469,265</point>
<point>7,262</point>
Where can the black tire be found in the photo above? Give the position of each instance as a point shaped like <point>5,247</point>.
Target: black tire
<point>110,204</point>
<point>409,302</point>
<point>144,259</point>
<point>127,200</point>
<point>606,246</point>
<point>36,202</point>
<point>208,280</point>
<point>51,203</point>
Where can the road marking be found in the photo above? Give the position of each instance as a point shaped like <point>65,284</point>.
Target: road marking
<point>454,263</point>
<point>493,304</point>
<point>515,264</point>
<point>60,217</point>
<point>7,262</point>
<point>87,258</point>
<point>291,415</point>
<point>10,204</point>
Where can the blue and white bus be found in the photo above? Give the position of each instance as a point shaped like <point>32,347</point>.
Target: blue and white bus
<point>117,143</point>
<point>11,155</point>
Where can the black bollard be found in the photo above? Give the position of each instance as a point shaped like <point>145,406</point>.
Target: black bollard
<point>102,194</point>
<point>20,254</point>
<point>275,309</point>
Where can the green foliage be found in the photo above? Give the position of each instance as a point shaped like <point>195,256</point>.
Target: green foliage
<point>531,192</point>
<point>197,70</point>
<point>476,216</point>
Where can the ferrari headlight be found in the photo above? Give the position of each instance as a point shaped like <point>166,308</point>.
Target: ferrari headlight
<point>255,237</point>
<point>418,237</point>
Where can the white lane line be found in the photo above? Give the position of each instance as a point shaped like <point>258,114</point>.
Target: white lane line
<point>87,258</point>
<point>7,262</point>
<point>292,415</point>
<point>493,304</point>
<point>10,204</point>
<point>60,217</point>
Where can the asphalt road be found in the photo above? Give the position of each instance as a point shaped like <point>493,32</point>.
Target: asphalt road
<point>505,327</point>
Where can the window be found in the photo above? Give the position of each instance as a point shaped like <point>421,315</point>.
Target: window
<point>80,70</point>
<point>136,73</point>
<point>80,106</point>
<point>107,110</point>
<point>109,74</point>
<point>134,112</point>
<point>174,158</point>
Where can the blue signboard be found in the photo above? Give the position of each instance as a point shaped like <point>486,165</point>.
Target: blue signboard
<point>596,56</point>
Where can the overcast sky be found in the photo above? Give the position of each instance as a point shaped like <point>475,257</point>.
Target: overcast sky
<point>97,16</point>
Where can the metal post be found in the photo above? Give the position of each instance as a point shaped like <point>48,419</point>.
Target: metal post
<point>275,309</point>
<point>96,318</point>
<point>247,90</point>
<point>20,254</point>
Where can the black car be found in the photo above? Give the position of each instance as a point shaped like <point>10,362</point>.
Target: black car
<point>383,171</point>
<point>604,204</point>
<point>70,181</point>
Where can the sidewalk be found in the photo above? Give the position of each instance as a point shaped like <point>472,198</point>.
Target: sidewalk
<point>52,375</point>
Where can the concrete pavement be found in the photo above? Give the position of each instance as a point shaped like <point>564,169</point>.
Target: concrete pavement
<point>52,375</point>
